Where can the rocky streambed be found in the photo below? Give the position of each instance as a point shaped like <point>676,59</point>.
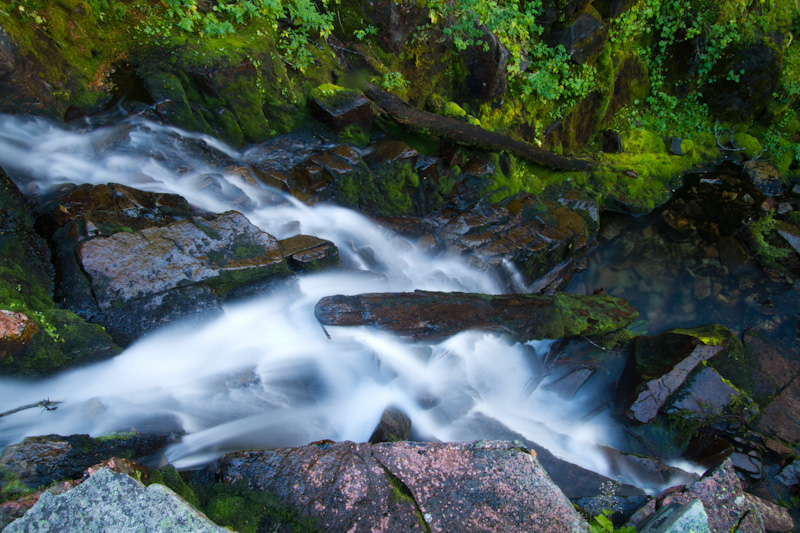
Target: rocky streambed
<point>101,255</point>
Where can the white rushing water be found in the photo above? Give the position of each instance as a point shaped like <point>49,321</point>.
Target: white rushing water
<point>265,374</point>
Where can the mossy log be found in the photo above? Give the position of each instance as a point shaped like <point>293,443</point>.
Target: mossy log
<point>467,134</point>
<point>424,315</point>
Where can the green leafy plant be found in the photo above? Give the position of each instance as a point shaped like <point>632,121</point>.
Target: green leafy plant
<point>603,524</point>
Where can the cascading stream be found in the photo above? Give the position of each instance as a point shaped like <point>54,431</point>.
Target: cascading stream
<point>265,374</point>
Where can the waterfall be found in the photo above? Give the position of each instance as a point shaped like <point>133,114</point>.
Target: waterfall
<point>264,374</point>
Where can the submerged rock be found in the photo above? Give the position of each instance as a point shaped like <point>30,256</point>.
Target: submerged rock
<point>113,502</point>
<point>438,315</point>
<point>483,486</point>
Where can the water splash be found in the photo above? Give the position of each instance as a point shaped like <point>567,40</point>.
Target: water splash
<point>265,374</point>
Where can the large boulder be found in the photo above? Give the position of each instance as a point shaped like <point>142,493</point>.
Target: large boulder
<point>402,486</point>
<point>36,337</point>
<point>108,501</point>
<point>134,261</point>
<point>438,315</point>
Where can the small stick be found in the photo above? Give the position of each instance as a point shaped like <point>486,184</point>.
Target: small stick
<point>46,404</point>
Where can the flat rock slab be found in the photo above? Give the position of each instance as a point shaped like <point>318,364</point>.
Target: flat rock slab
<point>405,486</point>
<point>113,502</point>
<point>127,266</point>
<point>438,315</point>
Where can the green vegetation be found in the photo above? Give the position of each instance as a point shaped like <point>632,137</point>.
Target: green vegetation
<point>760,231</point>
<point>236,507</point>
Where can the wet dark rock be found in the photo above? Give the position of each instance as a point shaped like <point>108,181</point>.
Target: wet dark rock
<point>706,397</point>
<point>393,426</point>
<point>610,9</point>
<point>657,368</point>
<point>759,63</point>
<point>129,266</point>
<point>532,235</point>
<point>790,474</point>
<point>569,385</point>
<point>773,364</point>
<point>584,39</point>
<point>390,151</point>
<point>764,176</point>
<point>410,486</point>
<point>781,417</point>
<point>280,154</point>
<point>395,22</point>
<point>746,463</point>
<point>38,461</point>
<point>22,89</point>
<point>486,69</point>
<point>611,142</point>
<point>340,108</point>
<point>726,504</point>
<point>136,318</point>
<point>438,315</point>
<point>675,146</point>
<point>307,253</point>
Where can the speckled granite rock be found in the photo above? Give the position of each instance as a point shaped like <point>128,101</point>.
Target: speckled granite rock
<point>406,486</point>
<point>113,502</point>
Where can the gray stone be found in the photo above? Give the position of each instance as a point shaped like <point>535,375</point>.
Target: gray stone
<point>113,502</point>
<point>128,266</point>
<point>675,518</point>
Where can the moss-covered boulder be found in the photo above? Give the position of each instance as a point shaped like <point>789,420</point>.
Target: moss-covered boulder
<point>40,337</point>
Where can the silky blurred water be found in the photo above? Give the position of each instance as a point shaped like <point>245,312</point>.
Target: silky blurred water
<point>265,374</point>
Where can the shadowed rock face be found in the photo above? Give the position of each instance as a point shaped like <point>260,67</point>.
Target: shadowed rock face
<point>438,315</point>
<point>484,486</point>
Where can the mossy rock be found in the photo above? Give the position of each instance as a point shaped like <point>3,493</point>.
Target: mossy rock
<point>62,338</point>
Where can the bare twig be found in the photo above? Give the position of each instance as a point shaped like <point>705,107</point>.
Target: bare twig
<point>46,404</point>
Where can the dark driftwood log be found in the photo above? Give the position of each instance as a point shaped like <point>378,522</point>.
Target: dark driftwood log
<point>438,315</point>
<point>467,134</point>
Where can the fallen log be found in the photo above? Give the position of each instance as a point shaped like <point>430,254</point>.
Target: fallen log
<point>434,316</point>
<point>467,134</point>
